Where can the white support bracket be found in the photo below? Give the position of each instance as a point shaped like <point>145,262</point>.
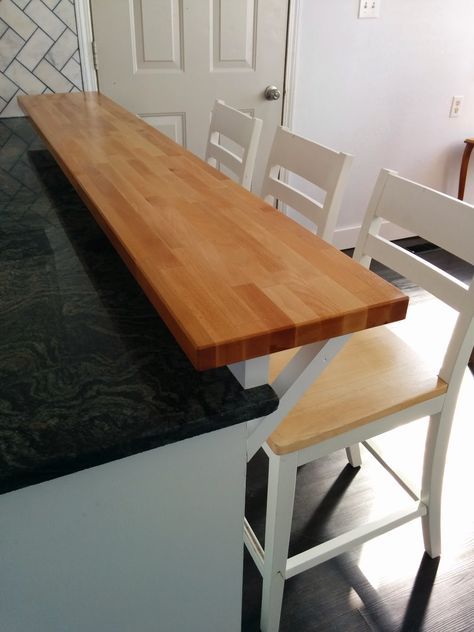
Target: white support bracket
<point>252,372</point>
<point>291,384</point>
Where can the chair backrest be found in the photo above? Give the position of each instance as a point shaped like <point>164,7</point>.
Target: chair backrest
<point>242,130</point>
<point>321,166</point>
<point>443,221</point>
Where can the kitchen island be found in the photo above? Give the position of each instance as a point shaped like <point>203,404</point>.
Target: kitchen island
<point>124,458</point>
<point>114,451</point>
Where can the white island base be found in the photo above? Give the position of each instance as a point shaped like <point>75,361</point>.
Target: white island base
<point>149,543</point>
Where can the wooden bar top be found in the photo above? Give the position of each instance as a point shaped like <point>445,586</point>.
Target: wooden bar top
<point>232,277</point>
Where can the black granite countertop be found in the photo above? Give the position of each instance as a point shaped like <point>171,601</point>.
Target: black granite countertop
<point>88,371</point>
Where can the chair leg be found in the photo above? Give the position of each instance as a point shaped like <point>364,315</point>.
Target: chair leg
<point>432,482</point>
<point>354,456</point>
<point>280,500</point>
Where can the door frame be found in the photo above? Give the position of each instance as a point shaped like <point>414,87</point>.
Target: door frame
<point>289,91</point>
<point>89,75</point>
<point>85,38</point>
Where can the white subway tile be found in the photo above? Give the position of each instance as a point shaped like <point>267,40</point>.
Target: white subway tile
<point>34,50</point>
<point>65,11</point>
<point>50,3</point>
<point>45,18</point>
<point>13,109</point>
<point>52,78</point>
<point>10,44</point>
<point>21,3</point>
<point>63,49</point>
<point>17,20</point>
<point>3,27</point>
<point>24,78</point>
<point>72,71</point>
<point>7,88</point>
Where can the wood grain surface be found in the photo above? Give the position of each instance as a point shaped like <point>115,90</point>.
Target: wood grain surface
<point>375,374</point>
<point>232,277</point>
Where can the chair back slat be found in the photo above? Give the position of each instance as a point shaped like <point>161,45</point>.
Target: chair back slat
<point>442,285</point>
<point>231,122</point>
<point>319,165</point>
<point>240,128</point>
<point>224,156</point>
<point>414,206</point>
<point>311,209</point>
<point>442,220</point>
<point>314,162</point>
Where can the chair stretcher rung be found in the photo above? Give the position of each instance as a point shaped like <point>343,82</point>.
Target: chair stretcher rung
<point>253,546</point>
<point>350,539</point>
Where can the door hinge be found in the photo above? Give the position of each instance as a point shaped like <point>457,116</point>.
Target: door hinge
<point>94,55</point>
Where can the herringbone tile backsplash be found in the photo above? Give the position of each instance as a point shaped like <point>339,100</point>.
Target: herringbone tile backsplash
<point>38,50</point>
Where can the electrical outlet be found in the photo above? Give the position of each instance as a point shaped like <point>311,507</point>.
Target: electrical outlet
<point>456,105</point>
<point>369,9</point>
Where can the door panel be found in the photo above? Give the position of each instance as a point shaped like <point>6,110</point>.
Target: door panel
<point>168,60</point>
<point>234,34</point>
<point>173,125</point>
<point>157,31</point>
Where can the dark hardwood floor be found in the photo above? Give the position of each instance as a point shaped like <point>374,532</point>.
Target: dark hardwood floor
<point>388,584</point>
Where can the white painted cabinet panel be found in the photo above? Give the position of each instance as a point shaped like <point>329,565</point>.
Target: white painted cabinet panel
<point>149,543</point>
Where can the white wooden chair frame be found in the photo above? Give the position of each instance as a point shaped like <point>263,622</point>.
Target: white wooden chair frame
<point>320,165</point>
<point>329,170</point>
<point>242,129</point>
<point>448,223</point>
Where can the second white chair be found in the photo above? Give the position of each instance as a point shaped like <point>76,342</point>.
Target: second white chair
<point>243,130</point>
<point>321,166</point>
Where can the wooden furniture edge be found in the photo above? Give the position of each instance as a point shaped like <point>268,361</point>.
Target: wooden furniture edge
<point>204,357</point>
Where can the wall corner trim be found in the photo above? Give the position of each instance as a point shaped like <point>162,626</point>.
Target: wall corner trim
<point>85,37</point>
<point>291,58</point>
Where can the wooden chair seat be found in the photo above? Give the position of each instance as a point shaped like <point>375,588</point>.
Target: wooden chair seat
<point>375,374</point>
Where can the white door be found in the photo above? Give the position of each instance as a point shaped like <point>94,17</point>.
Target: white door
<point>168,60</point>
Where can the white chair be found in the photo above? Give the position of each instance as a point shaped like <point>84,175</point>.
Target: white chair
<point>319,165</point>
<point>243,130</point>
<point>377,382</point>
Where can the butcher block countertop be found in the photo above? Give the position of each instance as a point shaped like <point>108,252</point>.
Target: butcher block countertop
<point>231,277</point>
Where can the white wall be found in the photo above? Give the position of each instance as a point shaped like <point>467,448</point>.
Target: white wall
<point>381,89</point>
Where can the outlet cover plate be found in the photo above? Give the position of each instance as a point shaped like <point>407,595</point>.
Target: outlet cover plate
<point>369,9</point>
<point>456,106</point>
